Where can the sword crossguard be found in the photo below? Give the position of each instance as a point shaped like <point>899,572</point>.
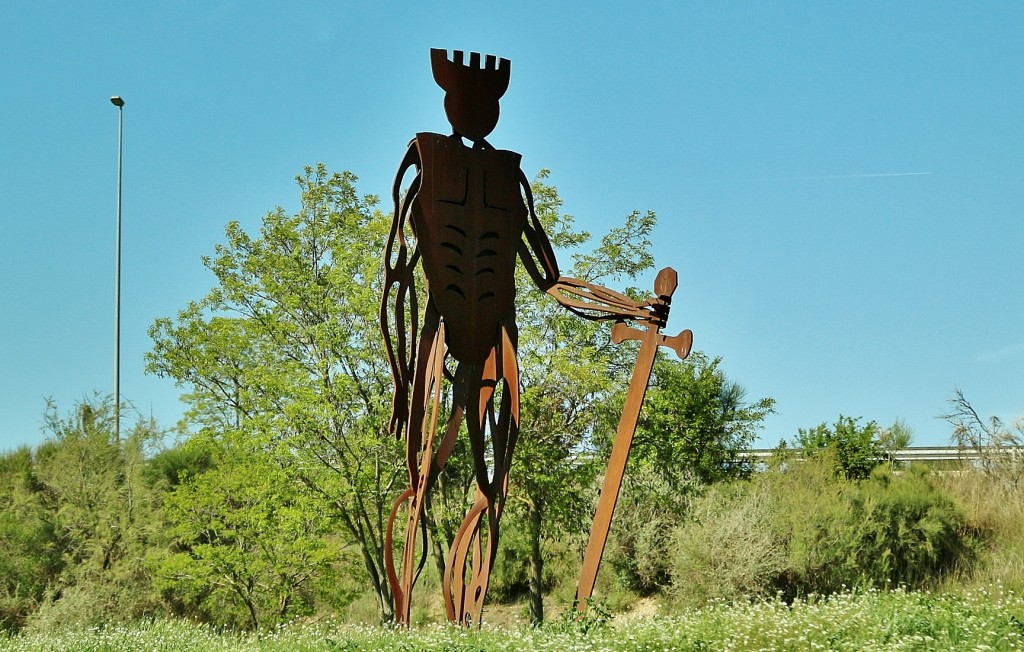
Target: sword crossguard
<point>680,343</point>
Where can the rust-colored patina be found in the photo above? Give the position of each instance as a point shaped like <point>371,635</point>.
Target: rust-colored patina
<point>650,339</point>
<point>470,214</point>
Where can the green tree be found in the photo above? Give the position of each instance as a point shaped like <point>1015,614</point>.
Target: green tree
<point>98,514</point>
<point>696,422</point>
<point>287,349</point>
<point>249,545</point>
<point>896,437</point>
<point>856,449</point>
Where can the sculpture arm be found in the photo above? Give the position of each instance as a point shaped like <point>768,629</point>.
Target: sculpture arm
<point>399,295</point>
<point>583,298</point>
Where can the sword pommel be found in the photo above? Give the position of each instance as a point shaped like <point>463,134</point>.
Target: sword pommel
<point>666,283</point>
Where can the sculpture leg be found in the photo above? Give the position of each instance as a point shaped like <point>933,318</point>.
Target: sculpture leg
<point>423,417</point>
<point>483,519</point>
<point>454,584</point>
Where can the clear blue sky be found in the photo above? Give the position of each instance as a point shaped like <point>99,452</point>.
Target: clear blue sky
<point>840,186</point>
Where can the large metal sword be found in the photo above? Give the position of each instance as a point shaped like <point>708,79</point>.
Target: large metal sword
<point>650,339</point>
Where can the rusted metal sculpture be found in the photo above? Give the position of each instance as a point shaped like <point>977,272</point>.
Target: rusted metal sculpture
<point>650,339</point>
<point>470,214</point>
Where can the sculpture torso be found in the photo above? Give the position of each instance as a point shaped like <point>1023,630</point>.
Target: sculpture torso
<point>468,218</point>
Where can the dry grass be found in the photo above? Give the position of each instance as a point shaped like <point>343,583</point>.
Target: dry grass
<point>994,502</point>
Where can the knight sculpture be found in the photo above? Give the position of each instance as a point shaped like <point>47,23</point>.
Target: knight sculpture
<point>465,219</point>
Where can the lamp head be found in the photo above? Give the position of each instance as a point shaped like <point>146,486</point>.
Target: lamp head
<point>117,101</point>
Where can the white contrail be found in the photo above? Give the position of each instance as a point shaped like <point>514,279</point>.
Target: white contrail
<point>851,176</point>
<point>1000,354</point>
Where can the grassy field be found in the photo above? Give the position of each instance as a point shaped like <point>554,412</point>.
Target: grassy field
<point>897,620</point>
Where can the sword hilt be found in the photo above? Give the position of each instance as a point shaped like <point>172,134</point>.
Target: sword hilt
<point>666,282</point>
<point>664,287</point>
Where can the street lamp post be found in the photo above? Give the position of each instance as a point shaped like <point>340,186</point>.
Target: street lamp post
<point>119,103</point>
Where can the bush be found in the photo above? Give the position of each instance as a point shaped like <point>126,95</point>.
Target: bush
<point>639,545</point>
<point>730,549</point>
<point>906,530</point>
<point>855,450</point>
<point>804,530</point>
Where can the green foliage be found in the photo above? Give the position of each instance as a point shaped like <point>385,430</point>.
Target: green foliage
<point>286,349</point>
<point>896,437</point>
<point>28,558</point>
<point>75,522</point>
<point>731,549</point>
<point>896,620</point>
<point>104,513</point>
<point>250,545</point>
<point>170,467</point>
<point>639,545</point>
<point>856,450</point>
<point>803,531</point>
<point>906,531</point>
<point>695,422</point>
<point>595,618</point>
<point>510,577</point>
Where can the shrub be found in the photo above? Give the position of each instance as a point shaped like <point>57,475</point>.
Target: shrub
<point>639,546</point>
<point>730,549</point>
<point>906,530</point>
<point>855,449</point>
<point>804,530</point>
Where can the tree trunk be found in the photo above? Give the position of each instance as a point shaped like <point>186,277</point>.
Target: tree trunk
<point>373,560</point>
<point>379,583</point>
<point>245,593</point>
<point>536,567</point>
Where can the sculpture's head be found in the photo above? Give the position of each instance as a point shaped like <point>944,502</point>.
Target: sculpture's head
<point>471,91</point>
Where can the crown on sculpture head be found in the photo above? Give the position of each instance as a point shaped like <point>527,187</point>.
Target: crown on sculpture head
<point>489,81</point>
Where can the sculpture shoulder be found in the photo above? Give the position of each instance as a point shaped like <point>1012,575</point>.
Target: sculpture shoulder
<point>432,146</point>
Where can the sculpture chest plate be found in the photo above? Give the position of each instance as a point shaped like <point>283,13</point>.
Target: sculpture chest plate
<point>468,218</point>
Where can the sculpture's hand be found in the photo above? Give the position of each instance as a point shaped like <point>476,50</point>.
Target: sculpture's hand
<point>655,312</point>
<point>665,286</point>
<point>399,413</point>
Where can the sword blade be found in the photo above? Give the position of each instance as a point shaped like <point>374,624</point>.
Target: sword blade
<point>616,467</point>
